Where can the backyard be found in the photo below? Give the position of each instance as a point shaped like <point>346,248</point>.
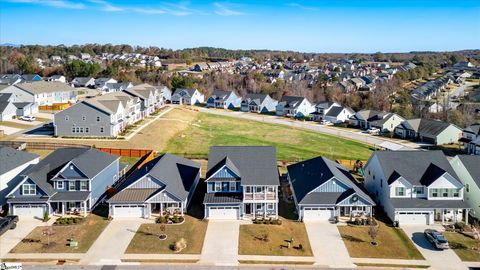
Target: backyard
<point>466,247</point>
<point>272,240</point>
<point>146,239</point>
<point>85,234</point>
<point>393,243</point>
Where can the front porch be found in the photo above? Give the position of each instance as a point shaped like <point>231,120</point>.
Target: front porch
<point>166,208</point>
<point>260,210</point>
<point>349,213</point>
<point>70,208</point>
<point>449,216</point>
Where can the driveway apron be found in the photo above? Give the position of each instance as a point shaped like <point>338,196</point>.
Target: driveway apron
<point>221,243</point>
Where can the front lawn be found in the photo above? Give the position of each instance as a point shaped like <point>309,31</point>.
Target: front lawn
<point>393,243</point>
<point>146,240</point>
<point>271,240</point>
<point>463,245</point>
<point>85,234</point>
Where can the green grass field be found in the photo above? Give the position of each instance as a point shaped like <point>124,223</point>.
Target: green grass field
<point>292,144</point>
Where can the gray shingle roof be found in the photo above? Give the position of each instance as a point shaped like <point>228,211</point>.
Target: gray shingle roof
<point>222,198</point>
<point>310,174</point>
<point>414,166</point>
<point>71,196</point>
<point>38,87</point>
<point>427,127</point>
<point>257,98</point>
<point>472,164</point>
<point>11,158</point>
<point>291,101</point>
<point>134,195</point>
<point>257,165</point>
<point>334,111</point>
<point>220,94</point>
<point>416,203</point>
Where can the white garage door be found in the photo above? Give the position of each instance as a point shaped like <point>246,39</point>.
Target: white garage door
<point>31,210</point>
<point>223,212</point>
<point>128,211</point>
<point>317,213</point>
<point>413,218</point>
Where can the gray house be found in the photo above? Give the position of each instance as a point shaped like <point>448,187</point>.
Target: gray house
<point>187,96</point>
<point>259,103</point>
<point>224,100</point>
<point>83,82</point>
<point>242,182</point>
<point>471,139</point>
<point>165,184</point>
<point>468,171</point>
<point>430,131</point>
<point>323,189</point>
<point>66,181</point>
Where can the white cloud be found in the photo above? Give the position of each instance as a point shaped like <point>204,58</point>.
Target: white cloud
<point>223,10</point>
<point>53,3</point>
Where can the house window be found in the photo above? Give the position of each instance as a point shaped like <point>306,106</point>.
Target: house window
<point>218,186</point>
<point>101,130</point>
<point>84,185</point>
<point>71,185</point>
<point>67,118</point>
<point>81,130</point>
<point>258,189</point>
<point>87,130</point>
<point>259,206</point>
<point>233,186</point>
<point>248,189</point>
<point>59,184</point>
<point>114,178</point>
<point>445,192</point>
<point>418,190</point>
<point>270,206</point>
<point>456,192</point>
<point>400,191</point>
<point>73,129</point>
<point>434,192</point>
<point>467,188</point>
<point>271,189</point>
<point>98,118</point>
<point>84,118</point>
<point>29,189</point>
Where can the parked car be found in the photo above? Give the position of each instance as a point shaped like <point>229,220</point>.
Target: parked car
<point>326,123</point>
<point>373,130</point>
<point>8,223</point>
<point>436,238</point>
<point>28,118</point>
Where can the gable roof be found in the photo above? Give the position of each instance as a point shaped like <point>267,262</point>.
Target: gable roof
<point>472,164</point>
<point>189,91</point>
<point>257,165</point>
<point>334,111</point>
<point>220,94</point>
<point>257,98</point>
<point>417,167</point>
<point>475,129</point>
<point>425,126</point>
<point>308,175</point>
<point>11,158</point>
<point>291,101</point>
<point>39,87</point>
<point>370,115</point>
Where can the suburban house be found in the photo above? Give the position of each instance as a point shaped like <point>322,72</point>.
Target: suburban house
<point>115,87</point>
<point>187,96</point>
<point>7,109</point>
<point>149,96</point>
<point>31,77</point>
<point>470,139</point>
<point>224,100</point>
<point>384,121</point>
<point>429,131</point>
<point>66,181</point>
<point>165,184</point>
<point>88,82</point>
<point>242,182</point>
<point>101,116</point>
<point>416,187</point>
<point>12,163</point>
<point>293,106</point>
<point>56,78</point>
<point>259,103</point>
<point>101,82</point>
<point>166,93</point>
<point>42,92</point>
<point>322,190</point>
<point>332,111</point>
<point>10,79</point>
<point>468,171</point>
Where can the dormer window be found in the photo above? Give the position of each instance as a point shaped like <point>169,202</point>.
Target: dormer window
<point>29,189</point>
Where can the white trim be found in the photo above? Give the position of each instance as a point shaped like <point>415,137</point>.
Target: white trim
<point>34,189</point>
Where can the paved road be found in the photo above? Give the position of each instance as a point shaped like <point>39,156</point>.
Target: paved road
<point>220,246</point>
<point>352,135</point>
<point>438,259</point>
<point>112,243</point>
<point>12,237</point>
<point>165,267</point>
<point>327,245</point>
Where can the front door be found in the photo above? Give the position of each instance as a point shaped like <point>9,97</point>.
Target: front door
<point>248,208</point>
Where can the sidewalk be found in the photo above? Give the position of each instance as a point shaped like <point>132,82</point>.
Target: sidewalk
<point>389,261</point>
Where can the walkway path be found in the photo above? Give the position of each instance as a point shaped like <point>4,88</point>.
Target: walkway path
<point>112,243</point>
<point>327,245</point>
<point>313,126</point>
<point>220,246</point>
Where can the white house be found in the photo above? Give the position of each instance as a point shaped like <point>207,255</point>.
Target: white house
<point>294,106</point>
<point>188,97</point>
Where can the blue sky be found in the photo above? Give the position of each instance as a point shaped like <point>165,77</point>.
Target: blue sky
<point>307,26</point>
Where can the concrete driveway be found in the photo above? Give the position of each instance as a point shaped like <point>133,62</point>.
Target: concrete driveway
<point>438,259</point>
<point>109,247</point>
<point>327,245</point>
<point>12,237</point>
<point>221,243</point>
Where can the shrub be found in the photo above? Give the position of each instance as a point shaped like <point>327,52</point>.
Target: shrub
<point>45,216</point>
<point>357,221</point>
<point>176,219</point>
<point>161,219</point>
<point>459,226</point>
<point>279,221</point>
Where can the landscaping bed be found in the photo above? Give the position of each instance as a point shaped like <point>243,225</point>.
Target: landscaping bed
<point>392,243</point>
<point>273,240</point>
<point>84,234</point>
<point>147,241</point>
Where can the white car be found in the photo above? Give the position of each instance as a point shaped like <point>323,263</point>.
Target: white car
<point>373,130</point>
<point>326,123</point>
<point>28,118</point>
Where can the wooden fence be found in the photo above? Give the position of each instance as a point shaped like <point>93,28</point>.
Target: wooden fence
<point>125,152</point>
<point>54,107</point>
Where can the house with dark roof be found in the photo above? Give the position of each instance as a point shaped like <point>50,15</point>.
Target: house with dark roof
<point>242,182</point>
<point>471,139</point>
<point>10,79</point>
<point>416,187</point>
<point>69,180</point>
<point>323,189</point>
<point>429,131</point>
<point>384,121</point>
<point>187,97</point>
<point>88,82</point>
<point>31,77</point>
<point>224,100</point>
<point>12,163</point>
<point>321,109</point>
<point>294,106</point>
<point>332,111</point>
<point>164,184</point>
<point>259,103</point>
<point>467,168</point>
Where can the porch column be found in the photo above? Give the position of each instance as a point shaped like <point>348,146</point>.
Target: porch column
<point>466,216</point>
<point>276,210</point>
<point>254,205</point>
<point>181,208</point>
<point>63,209</point>
<point>264,209</point>
<point>84,209</point>
<point>161,209</point>
<point>443,216</point>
